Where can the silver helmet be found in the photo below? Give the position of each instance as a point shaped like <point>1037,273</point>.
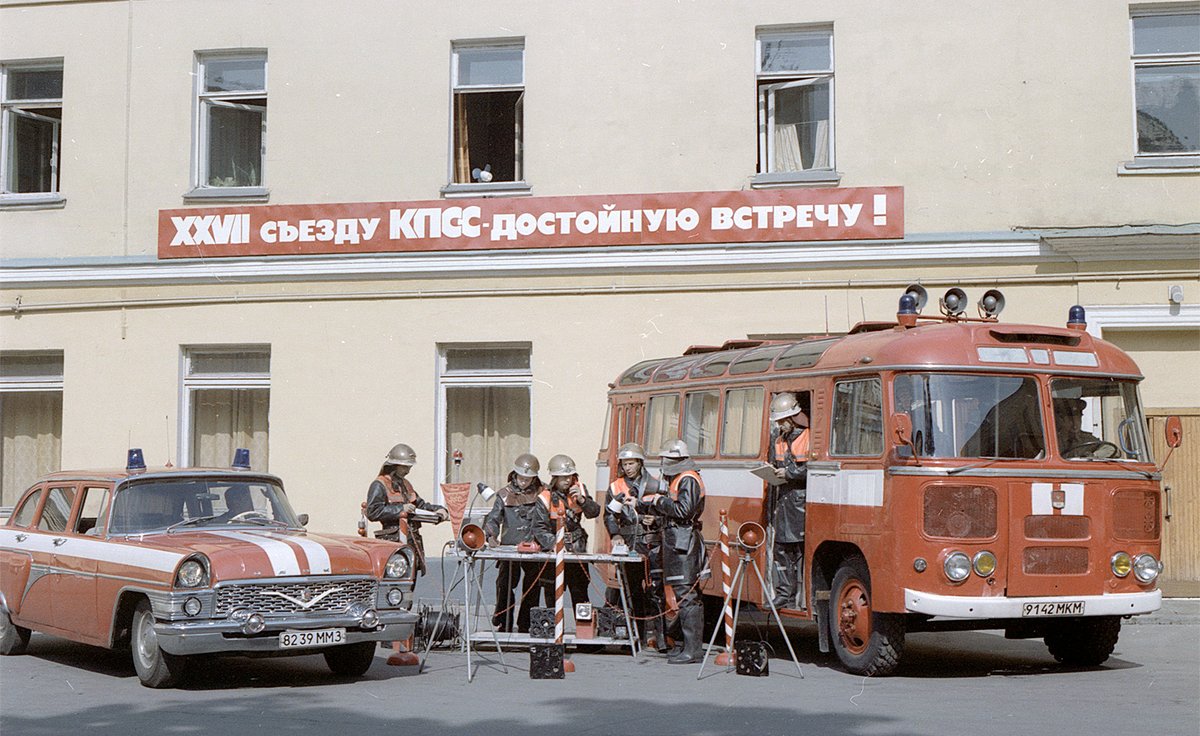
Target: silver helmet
<point>401,454</point>
<point>631,451</point>
<point>526,465</point>
<point>561,465</point>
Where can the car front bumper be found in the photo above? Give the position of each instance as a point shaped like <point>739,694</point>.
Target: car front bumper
<point>224,635</point>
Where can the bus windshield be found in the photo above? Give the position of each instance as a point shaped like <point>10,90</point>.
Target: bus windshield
<point>957,415</point>
<point>1098,419</point>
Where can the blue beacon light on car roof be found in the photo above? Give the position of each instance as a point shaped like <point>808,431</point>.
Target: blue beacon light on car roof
<point>135,462</point>
<point>241,458</point>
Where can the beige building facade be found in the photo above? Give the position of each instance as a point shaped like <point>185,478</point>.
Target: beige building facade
<point>1048,150</point>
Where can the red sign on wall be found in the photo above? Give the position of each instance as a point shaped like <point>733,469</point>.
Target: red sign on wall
<point>678,218</point>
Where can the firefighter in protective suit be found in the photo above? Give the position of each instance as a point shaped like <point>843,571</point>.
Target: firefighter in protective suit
<point>567,497</point>
<point>643,534</point>
<point>391,500</point>
<point>789,455</point>
<point>511,522</point>
<point>683,545</point>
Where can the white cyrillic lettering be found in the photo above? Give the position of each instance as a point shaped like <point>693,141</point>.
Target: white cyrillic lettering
<point>762,213</point>
<point>288,233</point>
<point>722,218</point>
<point>826,213</point>
<point>608,221</point>
<point>686,219</point>
<point>470,222</point>
<point>347,231</point>
<point>850,213</point>
<point>631,221</point>
<point>585,222</point>
<point>526,223</point>
<point>782,216</point>
<point>545,223</point>
<point>564,222</point>
<point>654,219</point>
<point>267,232</point>
<point>804,215</point>
<point>452,222</point>
<point>743,218</point>
<point>504,226</point>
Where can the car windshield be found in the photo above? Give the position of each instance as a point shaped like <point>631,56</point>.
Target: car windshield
<point>158,504</point>
<point>971,416</point>
<point>1098,419</point>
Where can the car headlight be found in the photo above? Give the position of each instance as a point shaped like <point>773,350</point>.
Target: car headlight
<point>957,566</point>
<point>193,573</point>
<point>398,565</point>
<point>984,563</point>
<point>1146,568</point>
<point>1122,563</point>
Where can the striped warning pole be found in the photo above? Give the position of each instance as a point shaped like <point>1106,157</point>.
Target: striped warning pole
<point>726,658</point>
<point>559,578</point>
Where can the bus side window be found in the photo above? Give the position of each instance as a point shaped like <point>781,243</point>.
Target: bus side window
<point>741,433</point>
<point>662,421</point>
<point>857,418</point>
<point>700,422</point>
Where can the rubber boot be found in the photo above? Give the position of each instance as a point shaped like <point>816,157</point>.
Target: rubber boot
<point>692,623</point>
<point>402,654</point>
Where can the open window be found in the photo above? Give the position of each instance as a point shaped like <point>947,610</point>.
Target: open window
<point>31,101</point>
<point>231,120</point>
<point>489,97</point>
<point>795,101</point>
<point>1166,80</point>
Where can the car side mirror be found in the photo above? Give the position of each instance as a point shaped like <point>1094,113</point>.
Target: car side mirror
<point>1174,432</point>
<point>303,519</point>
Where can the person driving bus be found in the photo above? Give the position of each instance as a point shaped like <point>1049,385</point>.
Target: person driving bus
<point>1073,441</point>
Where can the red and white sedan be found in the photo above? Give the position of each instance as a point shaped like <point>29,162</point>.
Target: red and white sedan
<point>175,562</point>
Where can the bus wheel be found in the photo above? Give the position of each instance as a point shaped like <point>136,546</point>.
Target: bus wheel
<point>1083,642</point>
<point>867,643</point>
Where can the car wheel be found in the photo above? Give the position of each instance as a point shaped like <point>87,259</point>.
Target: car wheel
<point>13,638</point>
<point>155,668</point>
<point>867,642</point>
<point>1083,642</point>
<point>351,660</point>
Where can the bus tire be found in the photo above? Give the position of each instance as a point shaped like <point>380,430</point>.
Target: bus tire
<point>867,642</point>
<point>1083,642</point>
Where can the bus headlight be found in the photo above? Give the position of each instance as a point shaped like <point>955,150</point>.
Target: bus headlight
<point>957,566</point>
<point>984,563</point>
<point>1146,568</point>
<point>1122,563</point>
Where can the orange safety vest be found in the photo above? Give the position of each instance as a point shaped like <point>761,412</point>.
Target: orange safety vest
<point>557,508</point>
<point>674,487</point>
<point>799,446</point>
<point>405,495</point>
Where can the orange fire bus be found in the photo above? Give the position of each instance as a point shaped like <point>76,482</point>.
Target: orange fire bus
<point>963,474</point>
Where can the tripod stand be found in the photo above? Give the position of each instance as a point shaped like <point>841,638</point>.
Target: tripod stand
<point>736,587</point>
<point>471,575</point>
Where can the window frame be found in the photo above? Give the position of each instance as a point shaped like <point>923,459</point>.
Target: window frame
<point>838,423</point>
<point>473,378</point>
<point>188,384</point>
<point>771,82</point>
<point>518,186</point>
<point>48,382</point>
<point>201,135</point>
<point>1158,162</point>
<point>54,197</point>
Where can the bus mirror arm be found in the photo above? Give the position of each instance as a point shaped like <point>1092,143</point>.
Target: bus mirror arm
<point>902,429</point>
<point>1174,436</point>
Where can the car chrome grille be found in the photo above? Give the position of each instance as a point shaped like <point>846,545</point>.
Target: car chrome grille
<point>300,596</point>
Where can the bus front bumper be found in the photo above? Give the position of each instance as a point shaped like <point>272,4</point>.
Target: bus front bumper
<point>968,607</point>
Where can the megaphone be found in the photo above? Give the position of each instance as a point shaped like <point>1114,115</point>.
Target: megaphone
<point>954,302</point>
<point>751,535</point>
<point>918,293</point>
<point>471,537</point>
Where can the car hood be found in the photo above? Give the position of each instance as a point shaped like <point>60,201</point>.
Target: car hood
<point>254,553</point>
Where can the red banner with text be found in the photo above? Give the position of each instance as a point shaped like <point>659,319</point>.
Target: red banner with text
<point>678,218</point>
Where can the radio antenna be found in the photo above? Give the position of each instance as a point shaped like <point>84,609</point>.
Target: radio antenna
<point>167,419</point>
<point>826,314</point>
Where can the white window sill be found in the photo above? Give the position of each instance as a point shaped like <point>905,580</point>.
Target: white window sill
<point>38,201</point>
<point>491,189</point>
<point>1148,165</point>
<point>809,177</point>
<point>239,194</point>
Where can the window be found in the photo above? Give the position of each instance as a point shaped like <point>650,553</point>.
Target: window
<point>231,124</point>
<point>1166,77</point>
<point>489,96</point>
<point>956,415</point>
<point>484,409</point>
<point>32,130</point>
<point>57,510</point>
<point>662,422</point>
<point>742,434</point>
<point>24,515</point>
<point>857,418</point>
<point>700,422</point>
<point>225,401</point>
<point>92,511</point>
<point>31,409</point>
<point>795,104</point>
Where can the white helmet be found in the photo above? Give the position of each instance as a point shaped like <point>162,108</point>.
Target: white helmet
<point>631,451</point>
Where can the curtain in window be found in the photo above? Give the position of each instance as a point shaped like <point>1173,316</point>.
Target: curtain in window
<point>32,444</point>
<point>700,423</point>
<point>663,424</point>
<point>462,149</point>
<point>743,422</point>
<point>490,424</point>
<point>226,419</point>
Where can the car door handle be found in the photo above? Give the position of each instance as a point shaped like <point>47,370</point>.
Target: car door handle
<point>59,541</point>
<point>22,537</point>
